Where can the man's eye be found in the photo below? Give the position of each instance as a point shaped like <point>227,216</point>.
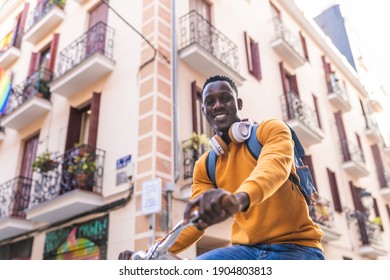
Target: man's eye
<point>208,102</point>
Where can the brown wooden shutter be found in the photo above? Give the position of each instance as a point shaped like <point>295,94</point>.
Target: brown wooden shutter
<point>253,56</point>
<point>283,76</point>
<point>342,136</point>
<point>294,85</point>
<point>328,71</point>
<point>335,191</point>
<point>53,51</point>
<point>388,210</point>
<point>94,121</point>
<point>29,154</point>
<point>380,169</point>
<point>194,106</point>
<point>20,26</point>
<point>74,128</point>
<point>308,161</point>
<point>315,101</point>
<point>360,144</point>
<point>304,46</point>
<point>34,63</point>
<point>356,198</point>
<point>100,13</point>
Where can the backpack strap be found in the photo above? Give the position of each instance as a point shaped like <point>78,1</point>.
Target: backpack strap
<point>211,162</point>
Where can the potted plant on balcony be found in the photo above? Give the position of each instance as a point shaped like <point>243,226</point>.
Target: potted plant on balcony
<point>44,162</point>
<point>196,141</point>
<point>83,167</point>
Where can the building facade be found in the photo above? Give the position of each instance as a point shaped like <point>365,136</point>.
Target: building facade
<point>99,104</point>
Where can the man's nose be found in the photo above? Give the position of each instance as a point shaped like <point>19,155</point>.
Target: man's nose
<point>218,104</point>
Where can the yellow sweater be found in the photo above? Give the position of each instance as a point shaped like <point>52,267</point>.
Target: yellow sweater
<point>278,212</point>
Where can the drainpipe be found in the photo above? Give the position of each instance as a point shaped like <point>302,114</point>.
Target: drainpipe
<point>174,88</point>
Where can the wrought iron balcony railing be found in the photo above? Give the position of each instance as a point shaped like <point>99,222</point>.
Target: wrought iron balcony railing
<point>194,29</point>
<point>43,8</point>
<point>79,168</point>
<point>190,156</point>
<point>14,197</point>
<point>322,213</point>
<point>283,32</point>
<point>368,232</point>
<point>295,108</point>
<point>35,85</point>
<point>98,39</point>
<point>337,87</point>
<point>350,151</point>
<point>372,124</point>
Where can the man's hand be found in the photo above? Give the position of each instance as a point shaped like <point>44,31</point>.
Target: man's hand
<point>215,206</point>
<point>125,255</point>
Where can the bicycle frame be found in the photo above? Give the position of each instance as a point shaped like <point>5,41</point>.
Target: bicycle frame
<point>159,250</point>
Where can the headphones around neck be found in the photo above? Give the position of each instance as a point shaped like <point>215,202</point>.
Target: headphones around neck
<point>238,133</point>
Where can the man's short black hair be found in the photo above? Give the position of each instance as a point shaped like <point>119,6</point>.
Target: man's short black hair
<point>220,78</point>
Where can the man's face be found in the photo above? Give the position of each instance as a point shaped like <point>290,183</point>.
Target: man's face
<point>221,105</point>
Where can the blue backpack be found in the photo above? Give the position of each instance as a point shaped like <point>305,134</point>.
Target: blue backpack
<point>305,181</point>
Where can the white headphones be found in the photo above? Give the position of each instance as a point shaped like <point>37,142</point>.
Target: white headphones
<point>238,133</point>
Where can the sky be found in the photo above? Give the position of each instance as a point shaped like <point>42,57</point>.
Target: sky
<point>369,21</point>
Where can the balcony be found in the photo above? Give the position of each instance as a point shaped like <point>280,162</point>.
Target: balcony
<point>193,148</point>
<point>71,186</point>
<point>85,61</point>
<point>10,50</point>
<point>338,95</point>
<point>374,103</point>
<point>372,130</point>
<point>46,16</point>
<point>353,160</point>
<point>287,45</point>
<point>366,234</point>
<point>206,49</point>
<point>8,7</point>
<point>14,198</point>
<point>323,214</point>
<point>302,119</point>
<point>28,101</point>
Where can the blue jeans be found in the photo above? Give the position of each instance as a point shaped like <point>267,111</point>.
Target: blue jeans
<point>286,251</point>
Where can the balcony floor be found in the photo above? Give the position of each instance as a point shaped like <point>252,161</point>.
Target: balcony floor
<point>14,226</point>
<point>64,206</point>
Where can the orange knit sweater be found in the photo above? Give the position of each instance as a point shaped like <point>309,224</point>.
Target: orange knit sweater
<point>278,212</point>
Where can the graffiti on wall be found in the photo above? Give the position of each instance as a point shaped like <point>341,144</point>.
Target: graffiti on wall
<point>85,241</point>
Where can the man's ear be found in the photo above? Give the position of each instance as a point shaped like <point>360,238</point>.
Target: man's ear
<point>239,103</point>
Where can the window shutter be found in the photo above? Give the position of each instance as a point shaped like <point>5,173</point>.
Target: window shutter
<point>34,63</point>
<point>380,170</point>
<point>355,196</point>
<point>252,56</point>
<point>304,46</point>
<point>20,26</point>
<point>315,101</point>
<point>342,136</point>
<point>308,161</point>
<point>74,127</point>
<point>93,128</point>
<point>53,51</point>
<point>335,191</point>
<point>256,60</point>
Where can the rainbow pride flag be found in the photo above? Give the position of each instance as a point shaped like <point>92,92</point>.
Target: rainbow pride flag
<point>5,89</point>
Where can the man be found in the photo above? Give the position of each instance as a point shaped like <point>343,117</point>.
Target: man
<point>271,219</point>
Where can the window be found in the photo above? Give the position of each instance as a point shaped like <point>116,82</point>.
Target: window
<point>199,122</point>
<point>304,46</point>
<point>252,56</point>
<point>335,190</point>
